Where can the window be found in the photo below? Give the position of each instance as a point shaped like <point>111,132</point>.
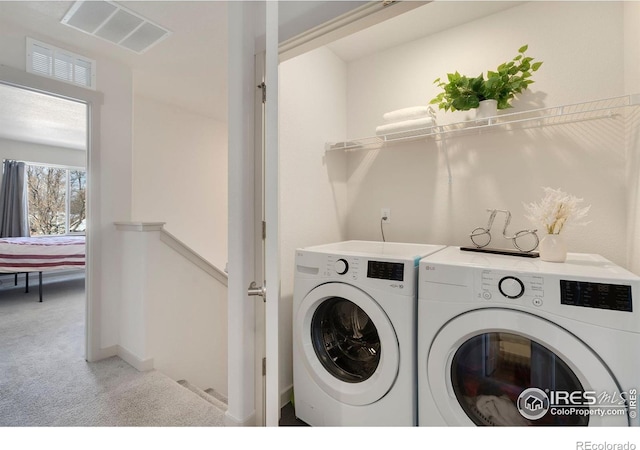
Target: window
<point>57,200</point>
<point>52,62</point>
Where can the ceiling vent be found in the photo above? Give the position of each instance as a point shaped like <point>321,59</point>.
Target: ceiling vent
<point>115,23</point>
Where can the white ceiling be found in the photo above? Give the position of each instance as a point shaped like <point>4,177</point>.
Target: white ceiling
<point>42,119</point>
<point>188,69</point>
<point>423,21</point>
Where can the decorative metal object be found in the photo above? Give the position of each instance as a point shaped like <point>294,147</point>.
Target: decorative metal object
<point>481,237</point>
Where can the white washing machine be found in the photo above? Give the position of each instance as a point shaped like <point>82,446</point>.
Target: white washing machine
<point>354,333</point>
<point>505,340</point>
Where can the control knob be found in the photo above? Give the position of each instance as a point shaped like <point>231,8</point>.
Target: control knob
<point>341,266</point>
<point>511,287</point>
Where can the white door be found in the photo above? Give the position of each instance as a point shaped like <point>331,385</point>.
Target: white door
<point>482,361</point>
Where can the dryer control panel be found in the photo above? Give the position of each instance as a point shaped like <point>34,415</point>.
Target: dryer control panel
<point>586,294</point>
<point>497,285</point>
<point>586,288</point>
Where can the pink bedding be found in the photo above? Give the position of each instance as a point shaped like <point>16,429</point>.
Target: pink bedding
<point>42,253</point>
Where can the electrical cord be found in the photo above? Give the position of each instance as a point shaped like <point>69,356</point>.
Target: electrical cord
<point>382,219</point>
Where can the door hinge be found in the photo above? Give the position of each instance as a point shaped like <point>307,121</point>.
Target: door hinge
<point>264,367</point>
<point>263,86</point>
<point>264,230</point>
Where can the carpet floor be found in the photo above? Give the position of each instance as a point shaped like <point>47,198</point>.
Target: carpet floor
<point>45,380</point>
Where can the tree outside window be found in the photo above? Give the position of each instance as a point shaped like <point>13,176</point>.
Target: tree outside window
<point>77,201</point>
<point>57,200</point>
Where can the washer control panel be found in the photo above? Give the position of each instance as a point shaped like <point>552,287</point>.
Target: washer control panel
<point>390,275</point>
<point>511,287</point>
<point>493,285</point>
<point>341,266</point>
<point>346,266</point>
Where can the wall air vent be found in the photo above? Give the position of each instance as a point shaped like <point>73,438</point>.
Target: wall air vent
<point>53,62</point>
<point>114,23</point>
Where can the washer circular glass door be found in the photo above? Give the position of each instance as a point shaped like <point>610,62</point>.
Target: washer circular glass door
<point>348,343</point>
<point>505,367</point>
<point>345,340</point>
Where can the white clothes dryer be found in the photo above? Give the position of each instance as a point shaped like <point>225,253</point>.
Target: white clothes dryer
<point>354,333</point>
<point>506,340</point>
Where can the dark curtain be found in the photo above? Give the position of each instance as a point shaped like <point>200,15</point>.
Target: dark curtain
<point>14,215</point>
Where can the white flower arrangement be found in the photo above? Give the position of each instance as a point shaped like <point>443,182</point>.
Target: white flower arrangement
<point>555,210</point>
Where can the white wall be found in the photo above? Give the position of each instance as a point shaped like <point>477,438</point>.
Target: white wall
<point>313,185</point>
<point>112,179</point>
<point>502,169</point>
<point>632,84</point>
<point>187,320</point>
<point>180,175</point>
<point>174,313</point>
<point>27,151</point>
<point>133,326</point>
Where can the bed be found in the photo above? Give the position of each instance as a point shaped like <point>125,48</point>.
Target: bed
<point>41,254</point>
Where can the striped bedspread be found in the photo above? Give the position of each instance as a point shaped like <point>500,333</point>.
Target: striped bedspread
<point>41,253</point>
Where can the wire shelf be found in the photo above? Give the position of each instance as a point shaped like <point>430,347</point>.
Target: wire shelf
<point>557,115</point>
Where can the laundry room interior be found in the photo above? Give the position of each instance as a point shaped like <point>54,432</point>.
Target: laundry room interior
<point>437,189</point>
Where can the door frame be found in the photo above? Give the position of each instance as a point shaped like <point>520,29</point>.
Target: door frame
<point>93,100</point>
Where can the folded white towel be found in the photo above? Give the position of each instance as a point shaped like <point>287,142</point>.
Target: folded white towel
<point>406,128</point>
<point>413,112</point>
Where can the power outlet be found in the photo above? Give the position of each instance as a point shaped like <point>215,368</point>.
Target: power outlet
<point>385,215</point>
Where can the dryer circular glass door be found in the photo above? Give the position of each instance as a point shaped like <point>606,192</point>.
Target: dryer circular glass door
<point>349,345</point>
<point>509,368</point>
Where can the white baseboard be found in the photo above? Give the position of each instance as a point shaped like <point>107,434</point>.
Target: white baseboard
<point>104,353</point>
<point>141,364</point>
<point>231,421</point>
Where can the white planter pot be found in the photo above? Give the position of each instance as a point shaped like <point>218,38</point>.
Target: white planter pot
<point>486,109</point>
<point>553,248</point>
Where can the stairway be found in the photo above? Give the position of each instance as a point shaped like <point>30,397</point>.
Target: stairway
<point>210,395</point>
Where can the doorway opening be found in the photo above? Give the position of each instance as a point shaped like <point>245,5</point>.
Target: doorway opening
<point>48,137</point>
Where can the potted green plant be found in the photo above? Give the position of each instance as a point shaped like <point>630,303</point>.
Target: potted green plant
<point>462,93</point>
